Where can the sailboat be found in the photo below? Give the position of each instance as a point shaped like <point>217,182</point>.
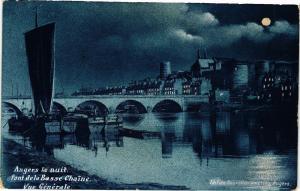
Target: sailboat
<point>40,50</point>
<point>39,44</point>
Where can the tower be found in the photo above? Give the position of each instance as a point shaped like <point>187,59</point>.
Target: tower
<point>196,67</point>
<point>165,69</point>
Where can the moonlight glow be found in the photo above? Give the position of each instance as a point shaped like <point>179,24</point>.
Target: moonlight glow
<point>266,21</point>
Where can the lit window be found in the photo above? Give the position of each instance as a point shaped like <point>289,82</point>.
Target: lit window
<point>290,93</point>
<point>282,94</point>
<point>285,87</point>
<point>269,95</point>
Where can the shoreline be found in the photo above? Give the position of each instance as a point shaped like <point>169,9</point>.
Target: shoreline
<point>15,154</point>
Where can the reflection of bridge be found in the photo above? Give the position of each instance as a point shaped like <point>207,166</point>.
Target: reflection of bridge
<point>149,102</point>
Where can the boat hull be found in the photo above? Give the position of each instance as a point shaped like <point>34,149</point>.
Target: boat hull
<point>53,127</point>
<point>69,126</point>
<point>20,125</point>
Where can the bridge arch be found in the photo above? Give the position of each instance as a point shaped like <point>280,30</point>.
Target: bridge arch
<point>167,106</point>
<point>13,107</point>
<point>58,108</point>
<point>131,106</point>
<point>92,108</point>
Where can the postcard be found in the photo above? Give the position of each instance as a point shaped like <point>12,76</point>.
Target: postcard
<point>149,96</point>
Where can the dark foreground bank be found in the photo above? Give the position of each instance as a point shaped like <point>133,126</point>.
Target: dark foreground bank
<point>17,158</point>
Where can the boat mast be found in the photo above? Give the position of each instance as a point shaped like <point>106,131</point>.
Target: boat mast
<point>36,17</point>
<point>12,89</point>
<point>17,91</point>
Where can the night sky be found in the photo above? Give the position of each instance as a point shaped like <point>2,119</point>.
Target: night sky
<point>100,44</point>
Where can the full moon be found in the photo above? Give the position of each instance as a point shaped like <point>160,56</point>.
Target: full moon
<point>266,21</point>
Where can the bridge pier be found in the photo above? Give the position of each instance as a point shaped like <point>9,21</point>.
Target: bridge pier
<point>111,110</point>
<point>184,107</point>
<point>149,109</point>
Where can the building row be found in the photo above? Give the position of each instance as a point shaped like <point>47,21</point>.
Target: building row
<point>222,78</point>
<point>170,86</point>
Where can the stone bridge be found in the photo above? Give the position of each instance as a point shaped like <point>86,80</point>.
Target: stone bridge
<point>111,102</point>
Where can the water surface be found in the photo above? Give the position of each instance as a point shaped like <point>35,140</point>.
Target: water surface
<point>222,150</point>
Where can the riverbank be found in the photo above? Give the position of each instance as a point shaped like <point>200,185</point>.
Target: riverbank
<point>15,154</point>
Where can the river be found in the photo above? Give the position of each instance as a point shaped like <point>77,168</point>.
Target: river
<point>222,150</point>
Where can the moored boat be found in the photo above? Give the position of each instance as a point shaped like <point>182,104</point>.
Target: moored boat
<point>20,124</point>
<point>53,124</point>
<point>112,120</point>
<point>72,121</point>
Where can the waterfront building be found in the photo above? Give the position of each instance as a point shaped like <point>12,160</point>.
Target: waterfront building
<point>200,86</point>
<point>205,86</point>
<point>117,90</point>
<point>186,87</point>
<point>130,90</point>
<point>284,68</point>
<point>154,87</point>
<point>286,71</point>
<point>240,76</point>
<point>221,77</point>
<point>172,86</point>
<point>203,65</point>
<point>280,83</point>
<point>83,91</point>
<point>144,87</point>
<point>137,88</point>
<point>286,90</point>
<point>262,67</point>
<point>196,87</point>
<point>268,86</point>
<point>196,67</point>
<point>251,76</point>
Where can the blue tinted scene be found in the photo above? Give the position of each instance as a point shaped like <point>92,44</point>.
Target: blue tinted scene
<point>150,96</point>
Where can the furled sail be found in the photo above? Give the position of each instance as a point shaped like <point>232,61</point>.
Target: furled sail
<point>40,54</point>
